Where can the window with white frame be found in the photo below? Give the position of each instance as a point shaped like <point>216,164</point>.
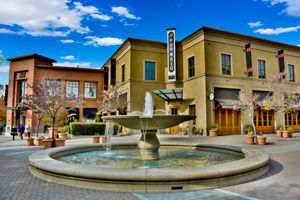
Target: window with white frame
<point>261,68</point>
<point>72,88</point>
<point>291,70</point>
<point>226,64</point>
<point>90,90</point>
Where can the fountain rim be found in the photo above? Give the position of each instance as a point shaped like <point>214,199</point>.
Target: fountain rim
<point>43,162</point>
<point>111,117</point>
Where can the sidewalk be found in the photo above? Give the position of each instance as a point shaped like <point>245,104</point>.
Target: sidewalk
<point>281,182</point>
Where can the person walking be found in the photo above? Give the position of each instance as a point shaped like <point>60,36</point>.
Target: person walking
<point>21,131</point>
<point>28,130</point>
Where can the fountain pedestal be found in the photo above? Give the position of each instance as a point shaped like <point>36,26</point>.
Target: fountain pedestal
<point>149,146</point>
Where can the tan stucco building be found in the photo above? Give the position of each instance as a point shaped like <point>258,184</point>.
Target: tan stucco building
<point>207,61</point>
<point>87,83</point>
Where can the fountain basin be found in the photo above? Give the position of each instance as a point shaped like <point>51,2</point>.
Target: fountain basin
<point>144,180</point>
<point>149,122</point>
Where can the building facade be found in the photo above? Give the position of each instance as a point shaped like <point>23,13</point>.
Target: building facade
<point>212,66</point>
<point>87,83</point>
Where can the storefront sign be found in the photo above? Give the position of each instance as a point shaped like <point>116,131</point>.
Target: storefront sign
<point>171,55</point>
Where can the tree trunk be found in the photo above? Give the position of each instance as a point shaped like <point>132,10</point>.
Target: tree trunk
<point>53,126</point>
<point>283,120</point>
<point>38,127</point>
<point>254,128</point>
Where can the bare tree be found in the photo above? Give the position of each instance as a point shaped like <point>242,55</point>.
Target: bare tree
<point>48,98</point>
<point>284,98</point>
<point>248,103</point>
<point>111,100</point>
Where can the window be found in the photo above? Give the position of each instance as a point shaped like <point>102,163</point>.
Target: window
<point>53,87</point>
<point>149,70</point>
<point>226,64</point>
<point>23,86</point>
<point>191,63</point>
<point>291,73</point>
<point>123,72</point>
<point>192,111</point>
<point>90,90</point>
<point>261,68</point>
<point>72,88</point>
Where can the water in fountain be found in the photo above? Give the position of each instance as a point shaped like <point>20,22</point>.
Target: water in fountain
<point>109,129</point>
<point>148,105</point>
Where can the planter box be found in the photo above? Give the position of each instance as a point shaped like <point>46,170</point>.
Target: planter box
<point>96,139</point>
<point>261,140</point>
<point>30,141</point>
<point>104,139</point>
<point>59,142</point>
<point>250,139</point>
<point>38,141</point>
<point>47,144</point>
<point>287,134</point>
<point>213,133</point>
<point>63,136</point>
<point>279,133</point>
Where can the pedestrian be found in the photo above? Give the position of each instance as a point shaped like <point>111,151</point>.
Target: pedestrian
<point>21,131</point>
<point>28,130</point>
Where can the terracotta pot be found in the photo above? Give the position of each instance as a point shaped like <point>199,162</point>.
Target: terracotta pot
<point>279,133</point>
<point>47,143</point>
<point>213,133</point>
<point>55,132</point>
<point>30,141</point>
<point>96,138</point>
<point>63,135</point>
<point>104,139</point>
<point>59,142</point>
<point>38,141</point>
<point>250,139</point>
<point>287,134</point>
<point>261,140</point>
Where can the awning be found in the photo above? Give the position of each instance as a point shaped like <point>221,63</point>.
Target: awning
<point>89,112</point>
<point>228,103</point>
<point>169,94</point>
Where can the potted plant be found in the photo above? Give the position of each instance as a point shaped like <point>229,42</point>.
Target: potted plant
<point>213,130</point>
<point>30,141</point>
<point>55,132</point>
<point>288,132</point>
<point>250,134</point>
<point>63,132</point>
<point>59,142</point>
<point>47,143</point>
<point>96,138</point>
<point>279,131</point>
<point>261,139</point>
<point>38,141</point>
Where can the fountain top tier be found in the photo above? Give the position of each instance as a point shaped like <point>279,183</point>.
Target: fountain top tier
<point>148,121</point>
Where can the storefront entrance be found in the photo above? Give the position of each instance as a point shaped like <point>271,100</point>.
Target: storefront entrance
<point>264,121</point>
<point>293,120</point>
<point>174,111</point>
<point>229,121</point>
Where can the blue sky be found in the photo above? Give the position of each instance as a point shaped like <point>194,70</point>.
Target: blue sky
<point>88,31</point>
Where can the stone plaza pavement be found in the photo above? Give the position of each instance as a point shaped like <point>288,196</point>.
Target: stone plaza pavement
<point>281,182</point>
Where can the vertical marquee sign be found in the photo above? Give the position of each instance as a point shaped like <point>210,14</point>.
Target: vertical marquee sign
<point>248,60</point>
<point>171,54</point>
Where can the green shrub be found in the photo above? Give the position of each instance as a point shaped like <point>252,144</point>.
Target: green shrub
<point>213,127</point>
<point>79,128</point>
<point>249,128</point>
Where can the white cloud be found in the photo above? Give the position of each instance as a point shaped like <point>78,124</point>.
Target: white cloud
<point>127,24</point>
<point>4,69</point>
<point>46,18</point>
<point>91,11</point>
<point>68,41</point>
<point>292,7</point>
<point>123,12</point>
<point>70,57</point>
<point>255,24</point>
<point>73,64</point>
<point>105,41</point>
<point>276,31</point>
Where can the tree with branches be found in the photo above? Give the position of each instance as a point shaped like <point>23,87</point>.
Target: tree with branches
<point>285,97</point>
<point>248,103</point>
<point>48,98</point>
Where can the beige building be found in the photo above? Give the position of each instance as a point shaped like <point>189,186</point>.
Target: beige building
<point>212,65</point>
